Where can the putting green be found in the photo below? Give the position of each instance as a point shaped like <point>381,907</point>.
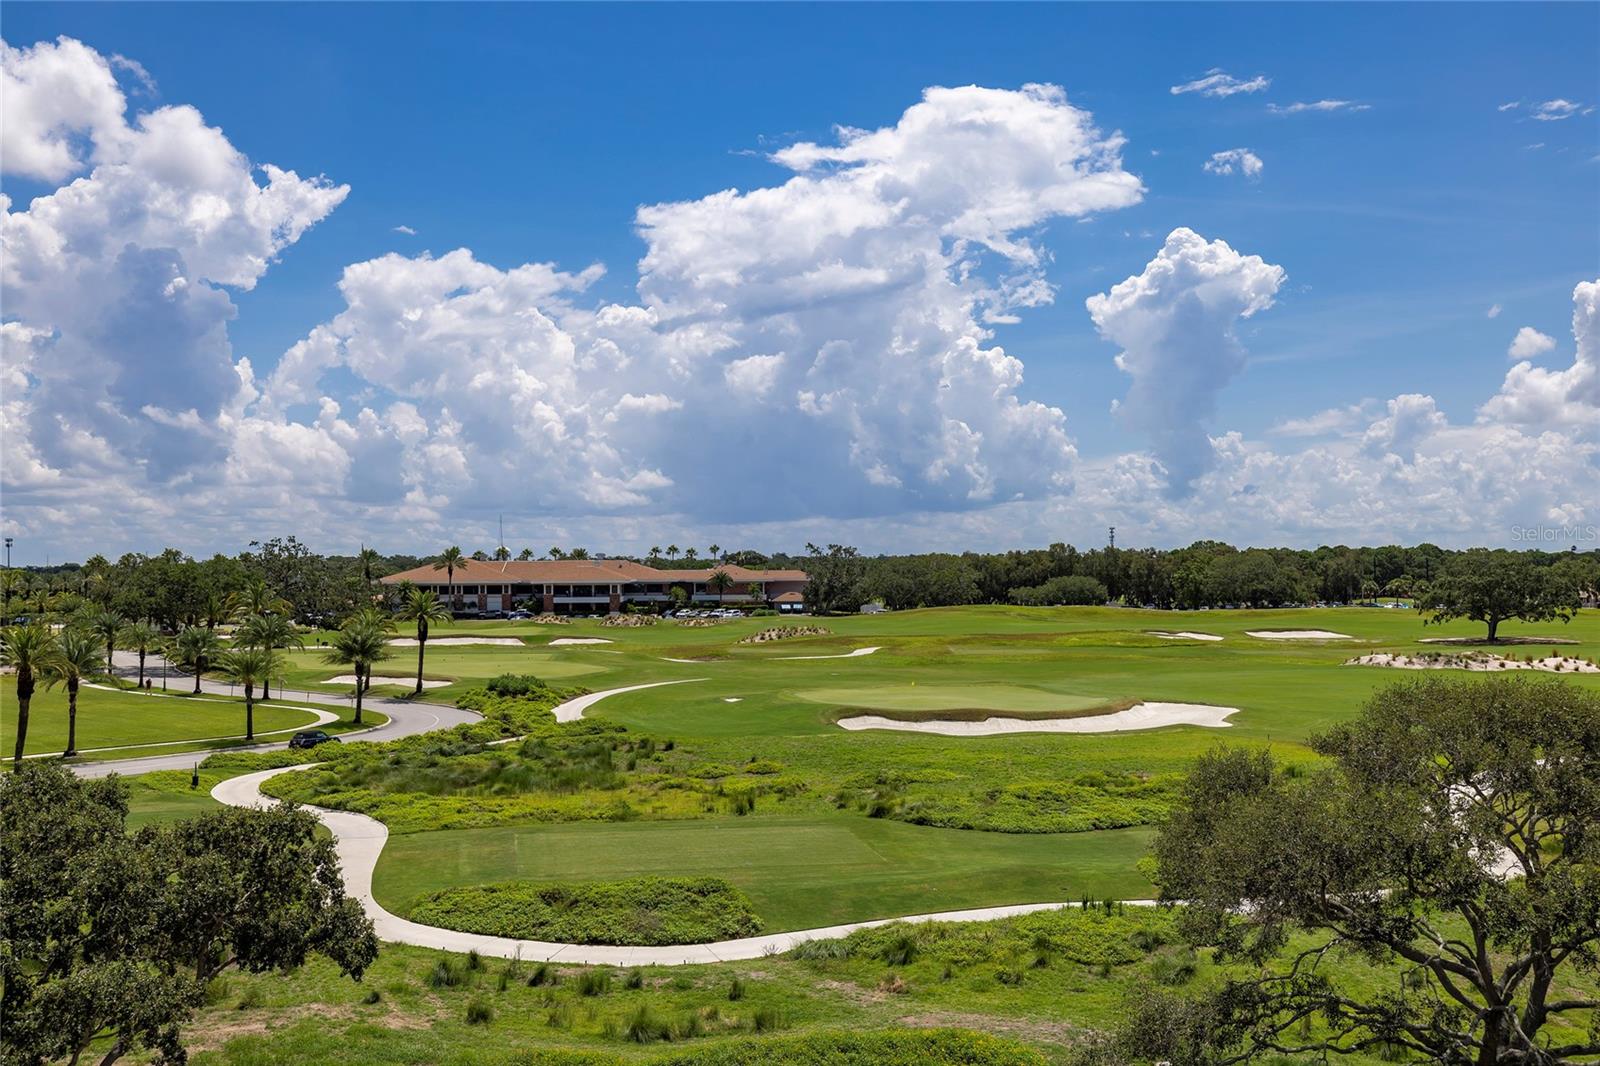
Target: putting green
<point>914,697</point>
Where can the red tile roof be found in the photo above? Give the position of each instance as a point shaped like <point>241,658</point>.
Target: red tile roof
<point>578,572</point>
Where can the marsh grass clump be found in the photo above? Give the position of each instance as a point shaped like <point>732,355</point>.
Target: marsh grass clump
<point>479,1012</point>
<point>735,990</point>
<point>594,983</point>
<point>644,1027</point>
<point>901,950</point>
<point>444,974</point>
<point>634,979</point>
<point>542,974</point>
<point>825,949</point>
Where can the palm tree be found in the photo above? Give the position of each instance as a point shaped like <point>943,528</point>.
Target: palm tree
<point>368,558</point>
<point>557,553</point>
<point>374,618</point>
<point>361,641</point>
<point>655,553</point>
<point>107,626</point>
<point>524,555</point>
<point>220,607</point>
<point>448,560</point>
<point>719,582</point>
<point>691,554</point>
<point>256,598</point>
<point>269,631</point>
<point>578,553</point>
<point>422,607</point>
<point>197,647</point>
<point>502,553</point>
<point>77,657</point>
<point>715,552</point>
<point>672,551</point>
<point>249,667</point>
<point>143,638</point>
<point>27,650</point>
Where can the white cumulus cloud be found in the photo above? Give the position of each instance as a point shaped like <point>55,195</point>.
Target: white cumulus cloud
<point>1529,343</point>
<point>1176,323</point>
<point>1234,160</point>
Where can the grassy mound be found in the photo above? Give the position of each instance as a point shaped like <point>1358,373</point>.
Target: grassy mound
<point>638,911</point>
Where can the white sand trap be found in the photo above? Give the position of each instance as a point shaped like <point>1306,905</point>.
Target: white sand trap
<point>1140,716</point>
<point>1183,634</point>
<point>691,662</point>
<point>1297,634</point>
<point>578,640</point>
<point>381,679</point>
<point>733,699</point>
<point>434,642</point>
<point>1554,664</point>
<point>847,655</point>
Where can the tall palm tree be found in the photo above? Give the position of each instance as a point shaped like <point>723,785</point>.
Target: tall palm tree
<point>249,667</point>
<point>524,555</point>
<point>502,553</point>
<point>691,554</point>
<point>655,553</point>
<point>368,558</point>
<point>557,553</point>
<point>26,649</point>
<point>448,561</point>
<point>672,551</point>
<point>422,607</point>
<point>719,582</point>
<point>270,631</point>
<point>143,638</point>
<point>375,618</point>
<point>256,597</point>
<point>715,553</point>
<point>578,553</point>
<point>107,626</point>
<point>77,657</point>
<point>360,642</point>
<point>197,648</point>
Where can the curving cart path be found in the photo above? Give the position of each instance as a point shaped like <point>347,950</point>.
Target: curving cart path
<point>359,840</point>
<point>406,718</point>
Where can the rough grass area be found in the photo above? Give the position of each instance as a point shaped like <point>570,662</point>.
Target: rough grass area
<point>639,911</point>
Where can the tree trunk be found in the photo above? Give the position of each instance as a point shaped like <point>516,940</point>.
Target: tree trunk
<point>24,699</point>
<point>199,668</point>
<point>360,686</point>
<point>1494,626</point>
<point>111,648</point>
<point>72,719</point>
<point>1493,1028</point>
<point>422,643</point>
<point>249,711</point>
<point>141,667</point>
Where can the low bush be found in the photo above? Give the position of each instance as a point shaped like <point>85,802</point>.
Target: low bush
<point>479,1012</point>
<point>594,982</point>
<point>638,911</point>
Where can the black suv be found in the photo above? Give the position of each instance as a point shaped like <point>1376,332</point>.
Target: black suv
<point>310,738</point>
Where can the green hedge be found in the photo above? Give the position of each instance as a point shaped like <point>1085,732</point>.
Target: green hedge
<point>637,911</point>
<point>894,1047</point>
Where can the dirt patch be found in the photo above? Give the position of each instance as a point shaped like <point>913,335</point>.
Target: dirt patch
<point>1017,1028</point>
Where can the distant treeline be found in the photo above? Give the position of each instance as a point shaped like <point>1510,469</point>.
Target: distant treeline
<point>172,588</point>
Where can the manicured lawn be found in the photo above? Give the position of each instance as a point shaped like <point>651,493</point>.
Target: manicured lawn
<point>114,719</point>
<point>799,873</point>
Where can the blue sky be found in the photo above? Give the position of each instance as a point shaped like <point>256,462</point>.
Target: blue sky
<point>532,134</point>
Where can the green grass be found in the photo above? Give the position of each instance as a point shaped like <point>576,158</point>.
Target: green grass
<point>749,703</point>
<point>125,718</point>
<point>799,873</point>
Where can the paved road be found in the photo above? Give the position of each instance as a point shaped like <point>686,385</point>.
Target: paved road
<point>406,718</point>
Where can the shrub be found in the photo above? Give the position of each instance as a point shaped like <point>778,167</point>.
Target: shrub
<point>901,950</point>
<point>479,1012</point>
<point>445,974</point>
<point>638,911</point>
<point>765,1019</point>
<point>644,1027</point>
<point>735,990</point>
<point>372,996</point>
<point>517,685</point>
<point>474,960</point>
<point>824,949</point>
<point>594,983</point>
<point>634,980</point>
<point>542,974</point>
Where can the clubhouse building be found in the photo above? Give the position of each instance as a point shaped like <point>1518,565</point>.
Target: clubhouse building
<point>599,586</point>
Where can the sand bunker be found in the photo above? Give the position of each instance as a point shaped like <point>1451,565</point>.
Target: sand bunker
<point>382,679</point>
<point>1554,664</point>
<point>733,699</point>
<point>578,640</point>
<point>1182,634</point>
<point>847,655</point>
<point>434,642</point>
<point>1139,716</point>
<point>1297,634</point>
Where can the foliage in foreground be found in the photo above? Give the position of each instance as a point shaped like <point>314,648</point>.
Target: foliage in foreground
<point>640,910</point>
<point>113,935</point>
<point>1391,852</point>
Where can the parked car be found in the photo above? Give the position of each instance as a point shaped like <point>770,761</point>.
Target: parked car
<point>519,616</point>
<point>310,738</point>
